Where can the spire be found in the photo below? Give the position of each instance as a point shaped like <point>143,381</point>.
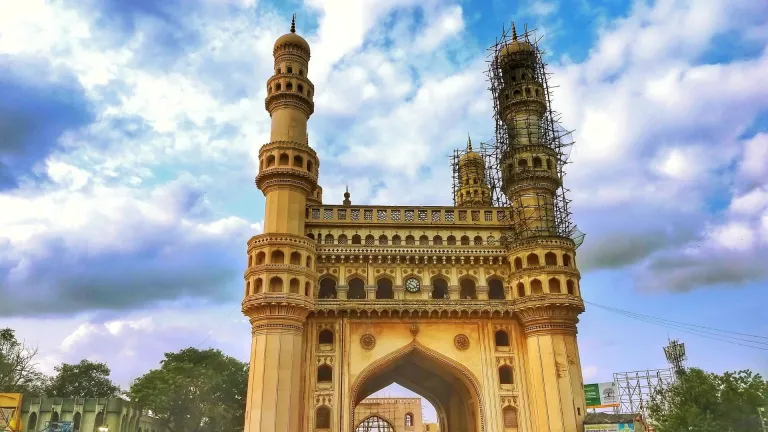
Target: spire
<point>514,32</point>
<point>346,197</point>
<point>469,143</point>
<point>293,24</point>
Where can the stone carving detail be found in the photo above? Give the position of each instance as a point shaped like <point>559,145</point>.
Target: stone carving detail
<point>461,341</point>
<point>562,369</point>
<point>367,341</point>
<point>414,329</point>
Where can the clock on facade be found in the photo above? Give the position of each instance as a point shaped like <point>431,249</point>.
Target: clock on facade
<point>412,285</point>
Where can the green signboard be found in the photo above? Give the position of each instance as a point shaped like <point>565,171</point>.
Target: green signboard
<point>601,395</point>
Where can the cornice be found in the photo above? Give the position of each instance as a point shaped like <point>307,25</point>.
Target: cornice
<point>294,269</point>
<point>546,270</point>
<point>281,239</point>
<point>542,242</point>
<point>541,308</point>
<point>289,99</point>
<point>410,250</point>
<point>288,145</point>
<point>277,306</point>
<point>277,176</point>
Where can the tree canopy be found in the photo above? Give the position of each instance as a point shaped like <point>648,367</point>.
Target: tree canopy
<point>707,402</point>
<point>86,379</point>
<point>17,366</point>
<point>194,390</point>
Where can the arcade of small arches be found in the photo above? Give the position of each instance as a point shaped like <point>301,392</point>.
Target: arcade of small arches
<point>286,158</point>
<point>384,288</point>
<point>410,240</point>
<point>298,265</point>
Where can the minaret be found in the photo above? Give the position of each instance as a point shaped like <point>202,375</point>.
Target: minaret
<point>280,278</point>
<point>473,187</point>
<point>544,275</point>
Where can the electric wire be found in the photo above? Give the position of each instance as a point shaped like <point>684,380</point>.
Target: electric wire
<point>685,328</point>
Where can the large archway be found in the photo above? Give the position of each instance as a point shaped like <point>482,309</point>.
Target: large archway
<point>446,384</point>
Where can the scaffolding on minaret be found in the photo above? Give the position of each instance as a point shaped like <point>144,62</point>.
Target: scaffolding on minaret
<point>529,213</point>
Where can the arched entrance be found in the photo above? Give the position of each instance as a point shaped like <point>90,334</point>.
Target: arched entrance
<point>447,385</point>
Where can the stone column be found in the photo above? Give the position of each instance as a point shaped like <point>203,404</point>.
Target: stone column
<point>399,291</point>
<point>553,372</point>
<point>274,401</point>
<point>370,291</point>
<point>482,292</point>
<point>341,291</point>
<point>454,292</point>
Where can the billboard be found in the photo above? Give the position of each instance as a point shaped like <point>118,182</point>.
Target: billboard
<point>620,427</point>
<point>601,395</point>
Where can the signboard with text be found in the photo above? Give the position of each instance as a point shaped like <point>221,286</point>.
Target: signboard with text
<point>620,427</point>
<point>601,395</point>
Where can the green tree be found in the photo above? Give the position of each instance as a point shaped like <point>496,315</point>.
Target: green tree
<point>706,402</point>
<point>18,373</point>
<point>194,390</point>
<point>85,379</point>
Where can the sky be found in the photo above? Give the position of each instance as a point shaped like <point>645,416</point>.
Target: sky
<point>129,132</point>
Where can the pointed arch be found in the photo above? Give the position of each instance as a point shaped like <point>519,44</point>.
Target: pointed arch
<point>464,374</point>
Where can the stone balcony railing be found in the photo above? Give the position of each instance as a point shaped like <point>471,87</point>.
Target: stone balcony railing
<point>373,215</point>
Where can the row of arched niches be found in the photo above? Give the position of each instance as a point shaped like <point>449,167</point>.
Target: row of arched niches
<point>286,155</point>
<point>287,265</point>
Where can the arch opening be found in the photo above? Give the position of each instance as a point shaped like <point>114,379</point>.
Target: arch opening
<point>448,386</point>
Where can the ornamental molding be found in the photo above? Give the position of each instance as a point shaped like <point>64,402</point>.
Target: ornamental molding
<point>286,171</point>
<point>288,47</point>
<point>538,149</point>
<point>287,145</point>
<point>289,307</point>
<point>415,250</point>
<point>293,269</point>
<point>545,270</point>
<point>541,242</point>
<point>275,239</point>
<point>283,182</point>
<point>291,100</point>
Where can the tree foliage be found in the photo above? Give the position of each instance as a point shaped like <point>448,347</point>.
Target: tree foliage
<point>706,402</point>
<point>86,379</point>
<point>17,366</point>
<point>194,390</point>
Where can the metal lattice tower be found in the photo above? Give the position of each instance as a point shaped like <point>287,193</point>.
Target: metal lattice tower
<point>635,389</point>
<point>675,354</point>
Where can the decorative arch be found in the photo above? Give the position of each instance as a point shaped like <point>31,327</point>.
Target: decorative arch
<point>439,287</point>
<point>356,286</point>
<point>373,368</point>
<point>327,287</point>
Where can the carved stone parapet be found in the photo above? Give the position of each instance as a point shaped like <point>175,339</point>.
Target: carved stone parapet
<point>530,178</point>
<point>546,270</point>
<point>549,313</point>
<point>416,308</point>
<point>298,270</point>
<point>523,103</point>
<point>273,310</point>
<point>288,145</point>
<point>286,176</point>
<point>282,239</point>
<point>542,242</point>
<point>290,100</point>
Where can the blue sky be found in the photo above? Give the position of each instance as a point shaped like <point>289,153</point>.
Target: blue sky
<point>129,132</point>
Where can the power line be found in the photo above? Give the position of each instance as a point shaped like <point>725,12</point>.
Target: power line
<point>684,328</point>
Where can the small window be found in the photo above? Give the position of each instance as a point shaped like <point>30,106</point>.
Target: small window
<point>278,87</point>
<point>289,86</point>
<point>325,337</point>
<point>324,374</point>
<point>502,339</point>
<point>300,88</point>
<point>290,69</point>
<point>505,375</point>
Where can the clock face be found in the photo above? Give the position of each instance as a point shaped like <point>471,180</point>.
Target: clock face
<point>412,285</point>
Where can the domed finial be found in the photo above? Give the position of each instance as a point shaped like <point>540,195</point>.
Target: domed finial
<point>514,32</point>
<point>293,24</point>
<point>346,197</point>
<point>469,143</point>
